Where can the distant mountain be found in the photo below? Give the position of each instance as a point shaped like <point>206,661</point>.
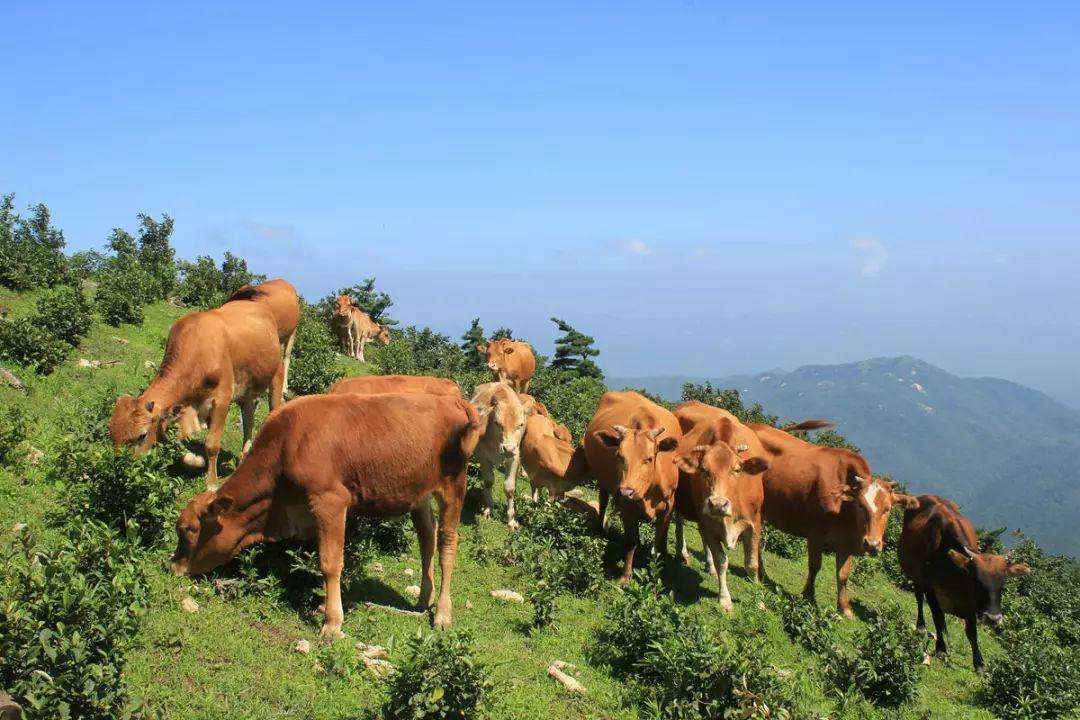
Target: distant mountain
<point>1008,454</point>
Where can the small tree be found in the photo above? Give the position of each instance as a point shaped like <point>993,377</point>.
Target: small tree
<point>374,302</point>
<point>31,249</point>
<point>503,333</point>
<point>156,255</point>
<point>470,345</point>
<point>574,352</point>
<point>729,400</point>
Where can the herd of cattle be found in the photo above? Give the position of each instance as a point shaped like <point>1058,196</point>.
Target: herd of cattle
<point>386,445</point>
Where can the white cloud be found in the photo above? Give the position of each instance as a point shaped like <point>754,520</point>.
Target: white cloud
<point>635,246</point>
<point>872,256</point>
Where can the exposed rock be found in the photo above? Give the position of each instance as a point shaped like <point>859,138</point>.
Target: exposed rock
<point>149,365</point>
<point>302,646</point>
<point>390,608</point>
<point>34,456</point>
<point>120,340</point>
<point>11,380</point>
<point>468,605</point>
<point>189,605</point>
<point>372,652</point>
<point>84,363</point>
<point>376,567</point>
<point>408,572</point>
<point>378,667</point>
<point>510,596</point>
<point>413,591</point>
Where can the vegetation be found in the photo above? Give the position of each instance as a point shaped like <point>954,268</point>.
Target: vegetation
<point>438,678</point>
<point>203,284</point>
<point>31,249</point>
<point>574,352</point>
<point>314,367</point>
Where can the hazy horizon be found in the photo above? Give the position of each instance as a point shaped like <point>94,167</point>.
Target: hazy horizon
<point>706,190</point>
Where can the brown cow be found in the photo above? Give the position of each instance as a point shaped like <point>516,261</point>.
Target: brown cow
<point>374,384</point>
<point>212,358</point>
<point>551,460</point>
<point>629,445</point>
<point>720,487</point>
<point>938,552</point>
<point>281,299</point>
<point>341,323</point>
<point>502,425</point>
<point>511,362</point>
<point>355,328</point>
<point>828,496</point>
<point>321,457</point>
<point>535,407</point>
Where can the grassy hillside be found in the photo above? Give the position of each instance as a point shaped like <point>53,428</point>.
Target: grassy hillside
<point>1008,454</point>
<point>235,656</point>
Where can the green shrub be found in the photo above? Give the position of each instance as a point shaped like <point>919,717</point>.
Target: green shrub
<point>642,615</point>
<point>314,366</point>
<point>438,678</point>
<point>557,545</point>
<point>25,342</point>
<point>67,617</point>
<point>1033,677</point>
<point>542,597</point>
<point>12,436</point>
<point>339,659</point>
<point>572,400</point>
<point>806,623</point>
<point>781,543</point>
<point>1052,590</point>
<point>204,285</point>
<point>119,489</point>
<point>65,313</point>
<point>31,249</point>
<point>121,293</point>
<point>887,663</point>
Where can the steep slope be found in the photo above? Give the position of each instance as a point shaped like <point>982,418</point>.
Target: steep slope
<point>1009,454</point>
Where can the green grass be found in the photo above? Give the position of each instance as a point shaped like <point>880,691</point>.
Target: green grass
<point>235,658</point>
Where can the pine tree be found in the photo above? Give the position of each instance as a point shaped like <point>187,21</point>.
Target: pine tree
<point>574,352</point>
<point>503,333</point>
<point>470,344</point>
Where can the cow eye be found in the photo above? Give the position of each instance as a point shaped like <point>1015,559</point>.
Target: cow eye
<point>736,470</point>
<point>142,436</point>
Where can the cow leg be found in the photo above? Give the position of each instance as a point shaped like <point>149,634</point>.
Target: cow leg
<point>487,481</point>
<point>813,554</point>
<point>751,539</point>
<point>219,414</point>
<point>510,486</point>
<point>525,386</point>
<point>660,540</point>
<point>920,621</point>
<point>630,526</point>
<point>719,551</point>
<point>362,343</point>
<point>247,421</point>
<point>285,361</point>
<point>971,629</point>
<point>680,540</point>
<point>189,427</point>
<point>710,563</point>
<point>843,570</point>
<point>275,395</point>
<point>424,522</point>
<point>603,499</point>
<point>940,648</point>
<point>449,517</point>
<point>329,512</point>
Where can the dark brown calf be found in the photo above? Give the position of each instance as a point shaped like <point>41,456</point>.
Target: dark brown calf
<point>939,553</point>
<point>321,457</point>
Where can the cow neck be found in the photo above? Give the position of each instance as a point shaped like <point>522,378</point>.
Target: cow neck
<point>164,392</point>
<point>251,488</point>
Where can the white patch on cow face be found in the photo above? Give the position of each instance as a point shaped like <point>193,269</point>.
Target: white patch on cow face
<point>871,497</point>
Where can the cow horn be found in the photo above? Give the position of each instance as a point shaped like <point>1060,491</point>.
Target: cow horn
<point>861,480</point>
<point>620,430</point>
<point>742,448</point>
<point>700,448</point>
<point>656,432</point>
<point>967,551</point>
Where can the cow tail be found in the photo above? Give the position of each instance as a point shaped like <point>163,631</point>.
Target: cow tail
<point>809,425</point>
<point>470,433</point>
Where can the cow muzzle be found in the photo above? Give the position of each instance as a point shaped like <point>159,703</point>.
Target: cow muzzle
<point>872,547</point>
<point>992,619</point>
<point>718,505</point>
<point>179,567</point>
<point>628,494</point>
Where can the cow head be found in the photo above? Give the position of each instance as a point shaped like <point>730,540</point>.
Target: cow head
<point>503,418</point>
<point>384,335</point>
<point>498,352</point>
<point>135,423</point>
<point>640,454</point>
<point>872,500</point>
<point>985,575</point>
<point>206,537</point>
<point>721,471</point>
<point>343,306</point>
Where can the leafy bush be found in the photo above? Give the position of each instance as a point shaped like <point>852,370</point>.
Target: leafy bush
<point>203,284</point>
<point>439,678</point>
<point>642,615</point>
<point>12,436</point>
<point>887,663</point>
<point>781,543</point>
<point>729,400</point>
<point>572,400</point>
<point>1052,590</point>
<point>67,616</point>
<point>31,249</point>
<point>557,545</point>
<point>807,624</point>
<point>122,291</point>
<point>25,342</point>
<point>339,659</point>
<point>1034,677</point>
<point>65,313</point>
<point>119,489</point>
<point>314,366</point>
<point>542,597</point>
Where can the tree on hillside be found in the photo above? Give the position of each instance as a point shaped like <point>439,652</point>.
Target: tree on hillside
<point>574,352</point>
<point>31,248</point>
<point>727,399</point>
<point>470,345</point>
<point>202,284</point>
<point>373,302</point>
<point>503,333</point>
<point>156,255</point>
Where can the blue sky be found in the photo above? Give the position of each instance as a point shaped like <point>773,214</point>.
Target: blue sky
<point>705,188</point>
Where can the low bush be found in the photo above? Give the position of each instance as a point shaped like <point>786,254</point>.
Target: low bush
<point>806,623</point>
<point>25,342</point>
<point>31,249</point>
<point>887,662</point>
<point>438,678</point>
<point>123,289</point>
<point>339,659</point>
<point>314,365</point>
<point>67,617</point>
<point>542,597</point>
<point>571,399</point>
<point>781,543</point>
<point>558,546</point>
<point>1033,677</point>
<point>643,614</point>
<point>12,436</point>
<point>1051,591</point>
<point>65,313</point>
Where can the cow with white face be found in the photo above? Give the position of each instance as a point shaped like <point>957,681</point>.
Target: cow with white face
<point>502,426</point>
<point>828,496</point>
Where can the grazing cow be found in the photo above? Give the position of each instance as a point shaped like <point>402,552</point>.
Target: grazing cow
<point>281,299</point>
<point>550,460</point>
<point>629,445</point>
<point>828,496</point>
<point>511,362</point>
<point>938,553</point>
<point>374,384</point>
<point>212,358</point>
<point>321,457</point>
<point>720,488</point>
<point>502,425</point>
<point>364,330</point>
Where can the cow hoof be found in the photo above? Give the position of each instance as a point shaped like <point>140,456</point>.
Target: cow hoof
<point>330,633</point>
<point>212,487</point>
<point>485,512</point>
<point>442,621</point>
<point>684,558</point>
<point>847,614</point>
<point>513,524</point>
<point>727,605</point>
<point>193,461</point>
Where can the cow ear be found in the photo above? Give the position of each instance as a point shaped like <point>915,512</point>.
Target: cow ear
<point>667,444</point>
<point>960,559</point>
<point>221,504</point>
<point>1015,569</point>
<point>755,465</point>
<point>689,463</point>
<point>609,437</point>
<point>509,349</point>
<point>908,502</point>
